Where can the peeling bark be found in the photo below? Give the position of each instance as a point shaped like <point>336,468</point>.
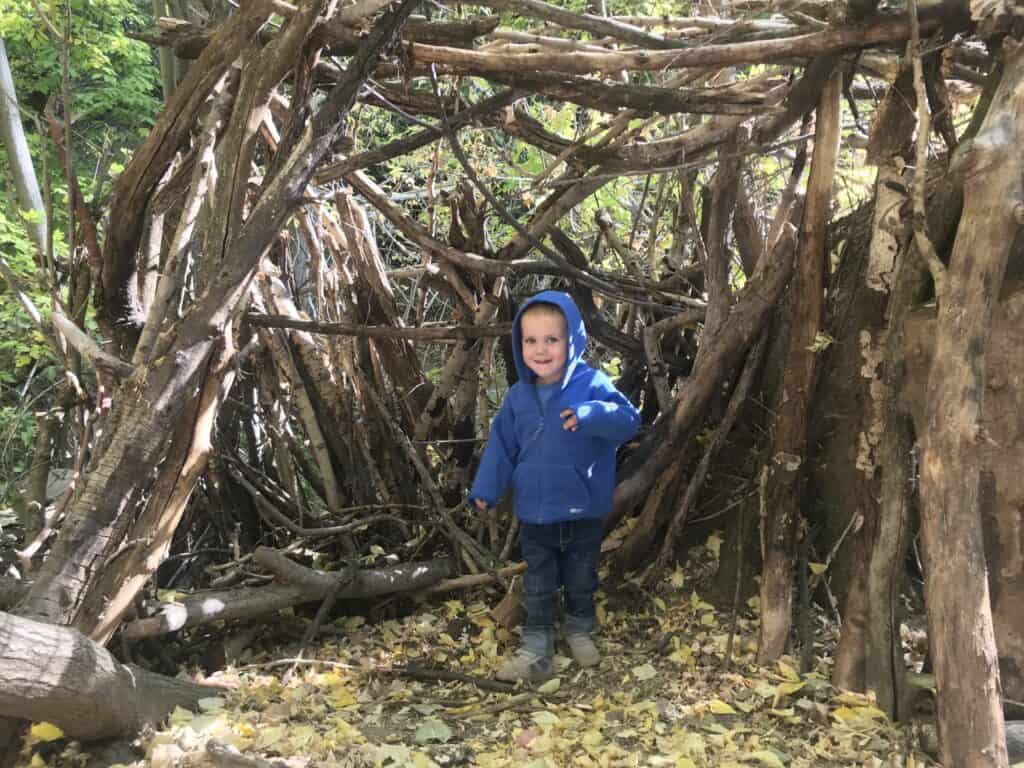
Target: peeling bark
<point>956,588</point>
<point>788,450</point>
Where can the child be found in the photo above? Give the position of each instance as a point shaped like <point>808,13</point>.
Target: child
<point>554,442</point>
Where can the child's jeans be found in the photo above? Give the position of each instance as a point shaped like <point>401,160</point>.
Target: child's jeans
<point>559,555</point>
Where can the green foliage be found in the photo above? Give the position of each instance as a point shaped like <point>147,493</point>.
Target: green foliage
<point>21,343</point>
<point>113,79</point>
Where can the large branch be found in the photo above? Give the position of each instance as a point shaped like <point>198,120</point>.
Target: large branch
<point>12,135</point>
<point>136,183</point>
<point>56,674</point>
<point>422,333</point>
<point>952,491</point>
<point>645,99</point>
<point>300,585</point>
<point>883,31</point>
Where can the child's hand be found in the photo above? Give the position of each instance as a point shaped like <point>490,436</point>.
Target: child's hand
<point>569,422</point>
<point>480,504</point>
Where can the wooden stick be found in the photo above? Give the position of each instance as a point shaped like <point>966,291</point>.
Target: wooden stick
<point>834,40</point>
<point>447,675</point>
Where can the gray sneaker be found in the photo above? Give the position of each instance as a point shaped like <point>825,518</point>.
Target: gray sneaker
<point>527,666</point>
<point>583,650</point>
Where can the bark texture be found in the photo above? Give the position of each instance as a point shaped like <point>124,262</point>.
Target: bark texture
<point>788,449</point>
<point>971,728</point>
<point>56,674</point>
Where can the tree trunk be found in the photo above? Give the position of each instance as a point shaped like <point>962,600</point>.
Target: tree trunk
<point>59,675</point>
<point>860,370</point>
<point>786,457</point>
<point>970,716</point>
<point>13,137</point>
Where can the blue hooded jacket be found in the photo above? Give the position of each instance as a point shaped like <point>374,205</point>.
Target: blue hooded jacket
<point>556,474</point>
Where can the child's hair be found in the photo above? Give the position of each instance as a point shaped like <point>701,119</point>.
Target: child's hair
<point>546,308</point>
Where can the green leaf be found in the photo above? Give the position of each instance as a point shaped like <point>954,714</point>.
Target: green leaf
<point>432,730</point>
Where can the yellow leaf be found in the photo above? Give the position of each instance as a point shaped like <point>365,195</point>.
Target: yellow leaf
<point>592,738</point>
<point>180,716</point>
<point>682,655</point>
<point>342,697</point>
<point>550,686</point>
<point>853,698</point>
<point>719,707</point>
<point>708,620</point>
<point>872,713</point>
<point>685,762</point>
<point>420,760</point>
<point>45,732</point>
<point>768,758</point>
<point>787,671</point>
<point>785,689</point>
<point>714,544</point>
<point>678,579</point>
<point>268,737</point>
<point>817,568</point>
<point>37,762</point>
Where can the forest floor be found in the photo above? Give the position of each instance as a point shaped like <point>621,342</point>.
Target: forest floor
<point>658,698</point>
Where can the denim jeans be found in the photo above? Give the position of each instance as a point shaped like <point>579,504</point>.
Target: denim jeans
<point>559,555</point>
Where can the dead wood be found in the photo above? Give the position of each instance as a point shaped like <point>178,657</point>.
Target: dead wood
<point>788,452</point>
<point>447,676</point>
<point>644,99</point>
<point>458,118</point>
<point>138,180</point>
<point>735,335</point>
<point>596,25</point>
<point>956,587</point>
<point>450,333</point>
<point>78,686</point>
<point>298,585</point>
<point>879,31</point>
<point>229,757</point>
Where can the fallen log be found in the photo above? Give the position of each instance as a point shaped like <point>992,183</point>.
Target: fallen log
<point>296,585</point>
<point>59,675</point>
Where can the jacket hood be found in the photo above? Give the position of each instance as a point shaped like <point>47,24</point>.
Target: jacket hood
<point>574,322</point>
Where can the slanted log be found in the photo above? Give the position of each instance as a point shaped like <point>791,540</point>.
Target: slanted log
<point>786,460</point>
<point>59,675</point>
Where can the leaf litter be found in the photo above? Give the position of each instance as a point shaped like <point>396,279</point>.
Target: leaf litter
<point>659,697</point>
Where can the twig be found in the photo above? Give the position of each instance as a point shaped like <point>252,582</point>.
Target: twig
<point>298,661</point>
<point>501,706</point>
<point>225,755</point>
<point>446,675</point>
<point>920,222</point>
<point>556,258</point>
<point>741,537</point>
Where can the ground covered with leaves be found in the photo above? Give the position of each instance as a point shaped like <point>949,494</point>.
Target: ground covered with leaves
<point>660,697</point>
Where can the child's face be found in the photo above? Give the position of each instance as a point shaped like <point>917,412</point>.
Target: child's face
<point>545,344</point>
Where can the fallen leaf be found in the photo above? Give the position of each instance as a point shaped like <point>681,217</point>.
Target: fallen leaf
<point>45,732</point>
<point>432,730</point>
<point>644,672</point>
<point>719,707</point>
<point>550,686</point>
